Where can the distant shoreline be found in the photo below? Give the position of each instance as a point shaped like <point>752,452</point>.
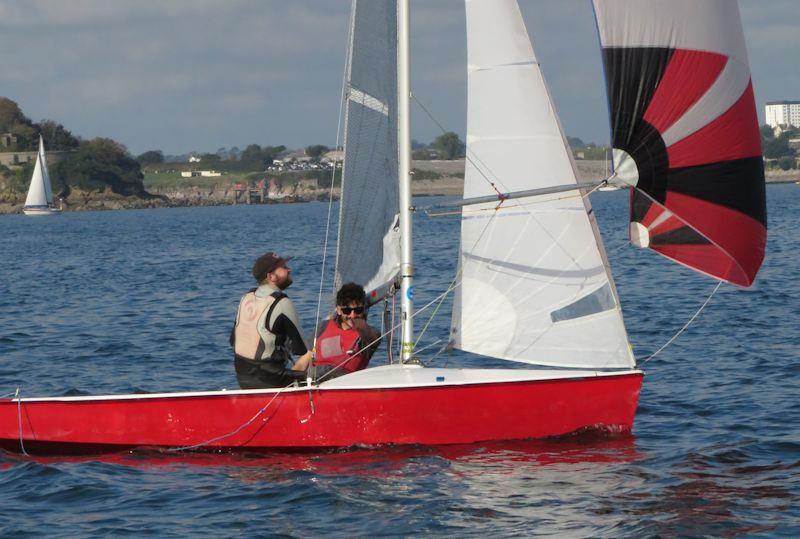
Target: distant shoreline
<point>449,183</point>
<point>191,197</point>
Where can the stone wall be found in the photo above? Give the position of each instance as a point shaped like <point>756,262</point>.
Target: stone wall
<point>17,159</point>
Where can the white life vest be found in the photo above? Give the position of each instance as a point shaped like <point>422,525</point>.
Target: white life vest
<point>253,339</point>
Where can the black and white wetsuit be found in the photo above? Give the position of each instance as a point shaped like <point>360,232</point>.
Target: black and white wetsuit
<point>264,337</point>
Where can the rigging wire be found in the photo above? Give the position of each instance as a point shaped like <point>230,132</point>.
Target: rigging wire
<point>520,203</point>
<point>384,334</point>
<point>385,323</point>
<point>320,379</point>
<point>457,279</point>
<point>19,422</point>
<point>493,209</point>
<point>492,184</point>
<point>695,315</point>
<point>431,345</point>
<point>390,343</point>
<point>466,154</point>
<point>499,206</point>
<point>452,286</point>
<point>342,101</point>
<point>448,346</point>
<point>234,431</point>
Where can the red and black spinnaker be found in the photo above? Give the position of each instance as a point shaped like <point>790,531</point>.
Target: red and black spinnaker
<point>685,132</point>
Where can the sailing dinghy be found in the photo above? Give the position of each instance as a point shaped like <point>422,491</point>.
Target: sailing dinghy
<point>533,284</point>
<point>40,193</point>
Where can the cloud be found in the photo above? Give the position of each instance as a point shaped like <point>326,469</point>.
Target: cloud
<point>80,13</point>
<point>185,74</point>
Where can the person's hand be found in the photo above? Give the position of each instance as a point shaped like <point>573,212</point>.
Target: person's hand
<point>358,323</point>
<point>303,361</point>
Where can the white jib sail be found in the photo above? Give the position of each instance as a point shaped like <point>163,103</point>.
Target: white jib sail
<point>535,284</point>
<point>368,250</point>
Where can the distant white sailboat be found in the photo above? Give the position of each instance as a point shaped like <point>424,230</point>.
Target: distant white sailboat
<point>40,193</point>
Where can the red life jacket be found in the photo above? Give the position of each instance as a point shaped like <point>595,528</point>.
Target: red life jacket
<point>335,345</point>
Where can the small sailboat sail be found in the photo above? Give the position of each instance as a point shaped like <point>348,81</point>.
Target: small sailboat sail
<point>40,194</point>
<point>368,251</point>
<point>536,286</point>
<point>685,132</point>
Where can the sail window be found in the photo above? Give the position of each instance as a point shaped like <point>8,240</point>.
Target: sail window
<point>368,101</point>
<point>598,301</point>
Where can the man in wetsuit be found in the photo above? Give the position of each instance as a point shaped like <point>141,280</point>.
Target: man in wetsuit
<point>266,332</point>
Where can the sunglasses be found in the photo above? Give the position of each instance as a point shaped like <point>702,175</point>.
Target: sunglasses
<point>348,310</point>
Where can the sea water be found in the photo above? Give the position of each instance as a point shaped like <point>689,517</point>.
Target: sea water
<point>119,302</point>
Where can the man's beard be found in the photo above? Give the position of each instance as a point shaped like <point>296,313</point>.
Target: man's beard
<point>284,283</point>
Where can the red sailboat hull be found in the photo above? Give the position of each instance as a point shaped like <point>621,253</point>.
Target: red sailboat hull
<point>412,410</point>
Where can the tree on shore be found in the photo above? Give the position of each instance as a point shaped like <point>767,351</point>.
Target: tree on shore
<point>10,114</point>
<point>251,156</point>
<point>13,121</point>
<point>270,153</point>
<point>786,163</point>
<point>99,164</point>
<point>315,151</point>
<point>151,157</point>
<point>18,180</point>
<point>95,165</point>
<point>777,147</point>
<point>575,142</point>
<point>56,136</point>
<point>449,145</point>
<point>254,157</point>
<point>210,158</point>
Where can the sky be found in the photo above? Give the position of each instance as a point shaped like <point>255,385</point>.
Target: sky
<point>198,75</point>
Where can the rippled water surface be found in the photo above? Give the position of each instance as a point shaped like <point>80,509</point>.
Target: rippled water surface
<point>143,301</point>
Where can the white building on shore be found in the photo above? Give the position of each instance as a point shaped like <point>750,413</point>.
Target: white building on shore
<point>203,173</point>
<point>783,113</point>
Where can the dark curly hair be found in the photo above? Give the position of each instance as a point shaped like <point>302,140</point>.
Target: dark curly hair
<point>351,292</point>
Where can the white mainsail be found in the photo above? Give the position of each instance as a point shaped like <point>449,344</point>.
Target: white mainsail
<point>368,250</point>
<point>40,192</point>
<point>535,284</point>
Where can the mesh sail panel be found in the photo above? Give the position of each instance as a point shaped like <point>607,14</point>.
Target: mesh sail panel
<point>368,251</point>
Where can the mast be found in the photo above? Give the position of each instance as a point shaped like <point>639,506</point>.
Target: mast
<point>404,177</point>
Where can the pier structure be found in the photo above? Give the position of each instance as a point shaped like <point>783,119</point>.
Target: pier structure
<point>250,195</point>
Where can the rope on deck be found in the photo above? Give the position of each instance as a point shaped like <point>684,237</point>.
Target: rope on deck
<point>19,422</point>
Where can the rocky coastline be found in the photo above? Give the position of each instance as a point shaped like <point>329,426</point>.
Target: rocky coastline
<point>449,183</point>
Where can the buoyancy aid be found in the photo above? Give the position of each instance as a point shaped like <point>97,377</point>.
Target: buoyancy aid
<point>252,336</point>
<point>335,345</point>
